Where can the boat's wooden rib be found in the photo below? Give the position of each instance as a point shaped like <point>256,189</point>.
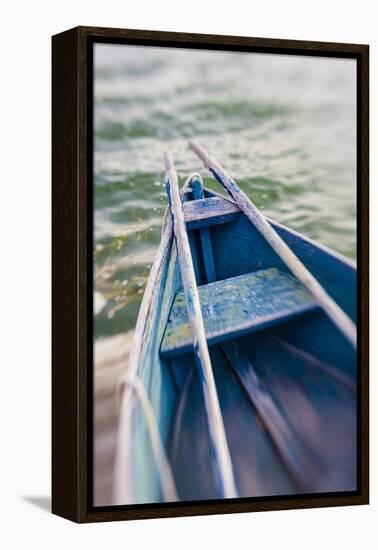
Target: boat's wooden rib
<point>177,424</point>
<point>311,361</point>
<point>204,234</point>
<point>270,416</point>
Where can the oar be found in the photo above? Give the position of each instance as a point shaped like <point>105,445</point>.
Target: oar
<point>335,313</point>
<point>279,430</point>
<point>220,454</point>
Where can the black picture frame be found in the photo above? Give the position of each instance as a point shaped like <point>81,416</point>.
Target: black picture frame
<point>72,271</point>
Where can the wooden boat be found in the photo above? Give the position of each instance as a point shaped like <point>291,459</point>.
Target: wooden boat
<point>285,375</point>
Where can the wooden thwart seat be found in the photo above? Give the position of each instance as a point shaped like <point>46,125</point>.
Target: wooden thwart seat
<point>210,211</point>
<point>236,306</point>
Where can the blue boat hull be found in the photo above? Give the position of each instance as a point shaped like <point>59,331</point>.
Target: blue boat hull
<point>304,365</point>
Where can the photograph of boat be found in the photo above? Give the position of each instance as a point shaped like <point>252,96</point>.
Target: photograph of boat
<point>225,282</point>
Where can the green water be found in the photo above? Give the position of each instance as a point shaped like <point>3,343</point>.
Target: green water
<point>284,127</point>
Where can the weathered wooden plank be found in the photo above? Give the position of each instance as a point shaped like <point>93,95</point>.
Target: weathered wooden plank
<point>210,211</point>
<point>221,460</point>
<point>238,305</point>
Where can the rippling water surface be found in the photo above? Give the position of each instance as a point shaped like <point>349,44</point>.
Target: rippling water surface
<point>283,126</point>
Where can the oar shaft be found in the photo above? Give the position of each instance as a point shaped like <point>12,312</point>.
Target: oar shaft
<point>335,313</point>
<point>262,403</point>
<point>222,464</point>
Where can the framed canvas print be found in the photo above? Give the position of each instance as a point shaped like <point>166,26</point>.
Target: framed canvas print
<point>210,274</point>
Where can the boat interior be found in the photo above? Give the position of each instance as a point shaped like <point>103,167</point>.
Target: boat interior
<point>285,375</point>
